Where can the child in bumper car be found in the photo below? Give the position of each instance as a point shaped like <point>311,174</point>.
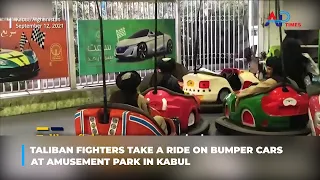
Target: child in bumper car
<point>274,75</point>
<point>128,82</point>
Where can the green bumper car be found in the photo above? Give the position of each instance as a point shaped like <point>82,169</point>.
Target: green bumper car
<point>18,66</point>
<point>281,111</point>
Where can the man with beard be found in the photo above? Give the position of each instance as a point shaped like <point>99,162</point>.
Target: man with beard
<point>128,82</point>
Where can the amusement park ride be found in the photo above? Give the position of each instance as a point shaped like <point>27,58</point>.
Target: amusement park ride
<point>172,104</point>
<point>123,119</point>
<point>281,111</point>
<point>284,110</point>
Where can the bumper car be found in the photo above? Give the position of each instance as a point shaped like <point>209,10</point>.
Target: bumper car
<point>314,109</point>
<point>184,107</point>
<point>119,119</point>
<point>124,120</point>
<point>212,88</point>
<point>276,112</point>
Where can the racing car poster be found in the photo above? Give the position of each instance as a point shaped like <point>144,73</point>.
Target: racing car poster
<point>32,49</point>
<point>128,44</point>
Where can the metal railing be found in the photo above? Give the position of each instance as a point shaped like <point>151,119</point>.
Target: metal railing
<point>223,34</point>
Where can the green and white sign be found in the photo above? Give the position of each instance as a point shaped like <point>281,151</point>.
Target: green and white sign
<point>129,44</point>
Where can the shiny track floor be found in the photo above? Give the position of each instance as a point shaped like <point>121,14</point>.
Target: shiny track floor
<point>25,125</point>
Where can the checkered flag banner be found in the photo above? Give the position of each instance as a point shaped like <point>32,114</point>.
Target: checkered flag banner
<point>23,41</point>
<point>121,33</point>
<point>38,37</point>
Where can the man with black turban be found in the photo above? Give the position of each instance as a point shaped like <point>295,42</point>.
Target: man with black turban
<point>274,75</point>
<point>128,83</point>
<point>167,77</point>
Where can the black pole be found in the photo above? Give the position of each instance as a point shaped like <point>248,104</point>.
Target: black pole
<point>155,73</point>
<point>196,50</point>
<point>105,111</point>
<point>284,89</point>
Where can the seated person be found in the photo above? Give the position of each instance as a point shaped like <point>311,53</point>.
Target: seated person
<point>169,76</point>
<point>274,75</point>
<point>128,82</point>
<point>295,63</point>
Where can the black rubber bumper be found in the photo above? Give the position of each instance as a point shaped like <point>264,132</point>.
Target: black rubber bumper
<point>224,126</point>
<point>201,128</point>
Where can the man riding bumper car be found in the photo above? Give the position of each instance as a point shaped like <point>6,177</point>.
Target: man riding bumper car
<point>128,111</point>
<point>170,76</point>
<point>128,83</point>
<point>170,100</point>
<point>268,108</point>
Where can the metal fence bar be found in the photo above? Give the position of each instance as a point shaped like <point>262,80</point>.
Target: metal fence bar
<point>238,25</point>
<point>215,36</point>
<point>71,46</point>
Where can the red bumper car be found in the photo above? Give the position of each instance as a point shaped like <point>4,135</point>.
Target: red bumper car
<point>175,105</point>
<point>314,109</point>
<point>124,120</point>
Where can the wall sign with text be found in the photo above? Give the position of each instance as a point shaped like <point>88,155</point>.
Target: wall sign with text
<point>33,50</point>
<point>129,44</point>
